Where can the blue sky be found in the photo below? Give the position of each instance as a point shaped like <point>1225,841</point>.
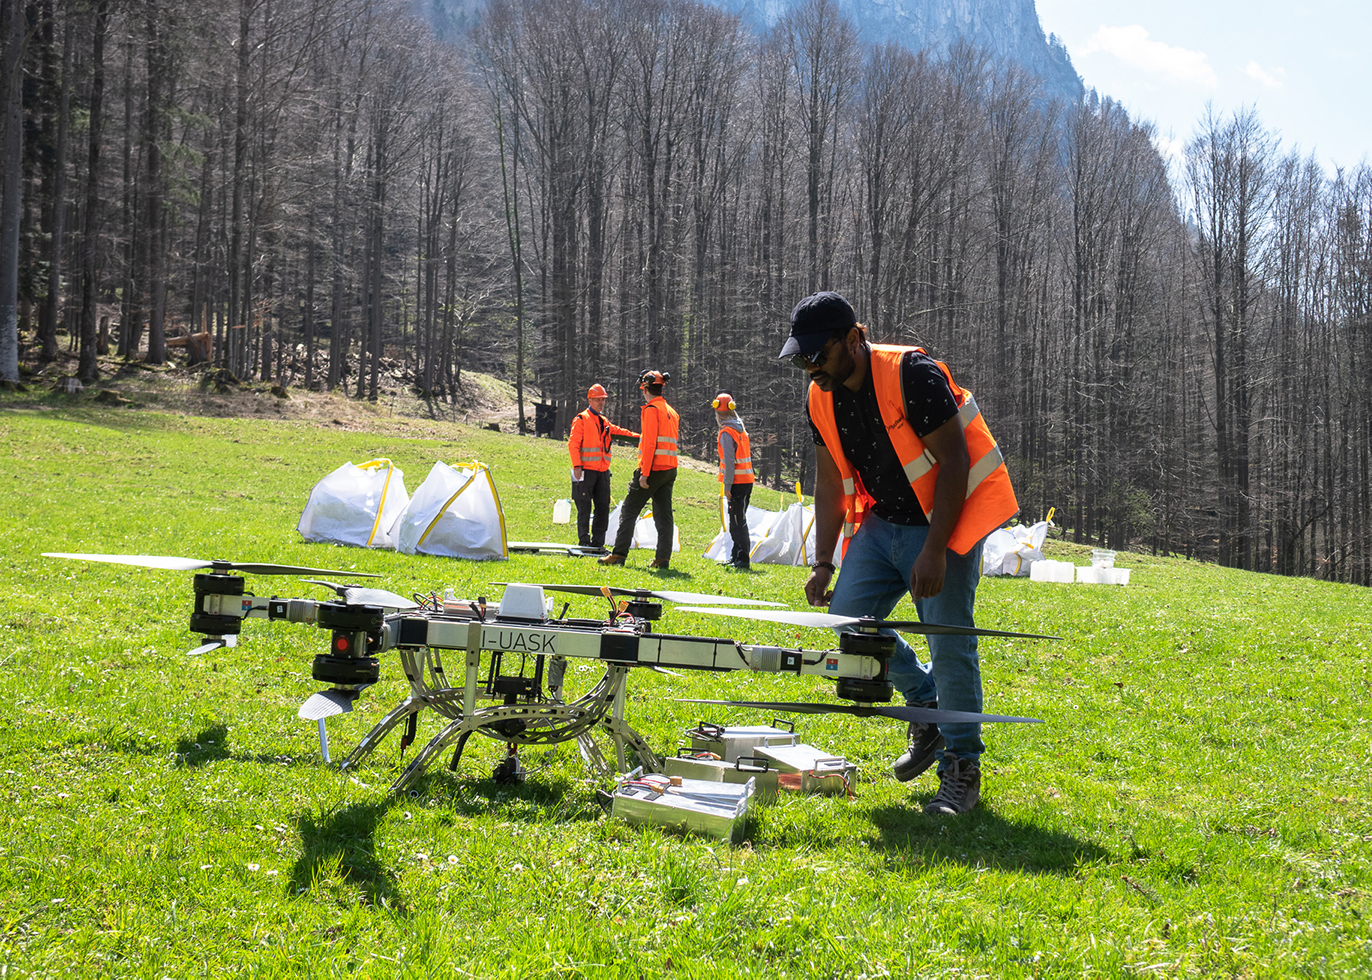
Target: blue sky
<point>1302,64</point>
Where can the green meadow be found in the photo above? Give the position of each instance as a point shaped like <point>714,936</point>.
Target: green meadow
<point>1198,801</point>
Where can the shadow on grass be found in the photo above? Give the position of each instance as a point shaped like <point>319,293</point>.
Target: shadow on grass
<point>210,744</point>
<point>982,837</point>
<point>532,801</point>
<point>343,843</point>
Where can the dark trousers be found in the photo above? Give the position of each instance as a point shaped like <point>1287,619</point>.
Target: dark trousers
<point>660,492</point>
<point>593,492</point>
<point>739,495</point>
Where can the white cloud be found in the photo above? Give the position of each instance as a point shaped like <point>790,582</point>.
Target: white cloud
<point>1170,148</point>
<point>1256,72</point>
<point>1133,46</point>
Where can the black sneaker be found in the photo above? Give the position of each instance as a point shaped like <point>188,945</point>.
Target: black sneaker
<point>959,788</point>
<point>924,744</point>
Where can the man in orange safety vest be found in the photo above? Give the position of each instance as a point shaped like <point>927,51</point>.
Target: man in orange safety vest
<point>911,478</point>
<point>589,447</point>
<point>656,473</point>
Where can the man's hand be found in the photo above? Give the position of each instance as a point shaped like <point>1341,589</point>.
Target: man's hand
<point>926,576</point>
<point>643,481</point>
<point>817,591</point>
<point>576,473</point>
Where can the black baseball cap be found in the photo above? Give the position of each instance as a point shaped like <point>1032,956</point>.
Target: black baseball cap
<point>815,319</point>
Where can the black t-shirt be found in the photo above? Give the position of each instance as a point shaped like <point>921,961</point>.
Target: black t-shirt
<point>929,403</point>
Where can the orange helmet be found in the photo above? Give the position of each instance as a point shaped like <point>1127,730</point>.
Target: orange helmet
<point>724,402</point>
<point>597,391</point>
<point>653,378</point>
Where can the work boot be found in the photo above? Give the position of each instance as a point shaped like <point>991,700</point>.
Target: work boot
<point>959,788</point>
<point>924,742</point>
<point>663,563</point>
<point>611,559</point>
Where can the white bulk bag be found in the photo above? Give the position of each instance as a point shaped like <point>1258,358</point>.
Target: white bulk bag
<point>456,514</point>
<point>645,531</point>
<point>784,537</point>
<point>1013,550</point>
<point>356,505</point>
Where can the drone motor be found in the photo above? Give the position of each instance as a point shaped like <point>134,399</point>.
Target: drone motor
<point>214,586</point>
<point>356,636</point>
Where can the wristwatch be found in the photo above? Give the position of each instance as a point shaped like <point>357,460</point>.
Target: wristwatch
<point>823,564</point>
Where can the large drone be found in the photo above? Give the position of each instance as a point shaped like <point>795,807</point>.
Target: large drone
<point>510,685</point>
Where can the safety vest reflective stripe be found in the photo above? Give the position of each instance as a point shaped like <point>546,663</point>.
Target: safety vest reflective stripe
<point>919,466</point>
<point>744,467</point>
<point>983,468</point>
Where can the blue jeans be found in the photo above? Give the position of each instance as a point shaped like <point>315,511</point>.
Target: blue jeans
<point>874,576</point>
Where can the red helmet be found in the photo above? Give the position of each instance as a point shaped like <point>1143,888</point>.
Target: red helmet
<point>724,402</point>
<point>597,391</point>
<point>653,378</point>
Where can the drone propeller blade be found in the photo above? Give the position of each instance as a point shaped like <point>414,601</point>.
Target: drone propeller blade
<point>718,600</point>
<point>820,620</point>
<point>143,561</point>
<point>190,564</point>
<point>257,568</point>
<point>358,596</point>
<point>327,703</point>
<point>378,597</point>
<point>214,644</point>
<point>669,596</point>
<point>902,712</point>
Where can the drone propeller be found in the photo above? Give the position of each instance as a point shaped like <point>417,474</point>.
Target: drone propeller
<point>215,643</point>
<point>902,712</point>
<point>358,596</point>
<point>219,565</point>
<point>596,590</point>
<point>826,621</point>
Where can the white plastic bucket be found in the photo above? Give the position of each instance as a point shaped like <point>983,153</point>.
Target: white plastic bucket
<point>562,511</point>
<point>1102,558</point>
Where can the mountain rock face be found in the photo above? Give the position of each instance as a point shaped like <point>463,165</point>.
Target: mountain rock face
<point>1008,28</point>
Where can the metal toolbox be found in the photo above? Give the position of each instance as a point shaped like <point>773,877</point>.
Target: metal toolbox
<point>806,769</point>
<point>731,741</point>
<point>706,807</point>
<point>696,765</point>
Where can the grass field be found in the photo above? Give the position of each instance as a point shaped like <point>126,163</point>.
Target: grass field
<point>1198,802</point>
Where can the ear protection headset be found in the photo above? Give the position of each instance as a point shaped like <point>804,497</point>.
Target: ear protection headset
<point>653,378</point>
<point>724,403</point>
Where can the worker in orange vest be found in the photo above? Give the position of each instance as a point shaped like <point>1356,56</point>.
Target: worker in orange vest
<point>657,459</point>
<point>589,447</point>
<point>735,476</point>
<point>911,477</point>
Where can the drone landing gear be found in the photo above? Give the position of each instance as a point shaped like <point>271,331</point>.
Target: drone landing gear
<point>509,772</point>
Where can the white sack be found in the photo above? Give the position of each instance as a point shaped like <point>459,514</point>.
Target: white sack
<point>456,514</point>
<point>777,537</point>
<point>645,531</point>
<point>356,505</point>
<point>1013,550</point>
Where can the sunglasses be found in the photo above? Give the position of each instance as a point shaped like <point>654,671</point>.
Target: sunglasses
<point>807,361</point>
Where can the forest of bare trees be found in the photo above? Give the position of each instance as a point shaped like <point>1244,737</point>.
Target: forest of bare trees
<point>1176,355</point>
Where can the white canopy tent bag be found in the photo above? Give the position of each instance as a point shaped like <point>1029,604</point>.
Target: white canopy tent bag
<point>1013,550</point>
<point>455,513</point>
<point>356,505</point>
<point>645,531</point>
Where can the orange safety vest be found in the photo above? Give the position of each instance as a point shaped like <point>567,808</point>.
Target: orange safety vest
<point>990,498</point>
<point>658,445</point>
<point>589,444</point>
<point>743,455</point>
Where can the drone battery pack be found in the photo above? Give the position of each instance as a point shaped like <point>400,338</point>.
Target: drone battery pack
<point>694,806</point>
<point>806,769</point>
<point>697,766</point>
<point>732,741</point>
